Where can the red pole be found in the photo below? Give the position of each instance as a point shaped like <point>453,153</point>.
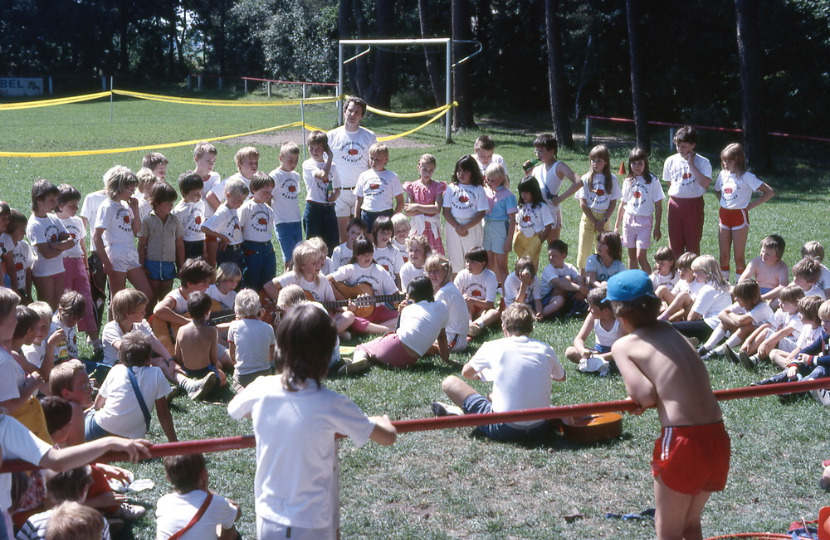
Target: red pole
<point>447,422</point>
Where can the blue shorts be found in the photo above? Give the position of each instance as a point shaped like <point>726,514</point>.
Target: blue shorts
<point>478,404</point>
<point>495,235</point>
<point>161,270</point>
<point>370,217</point>
<point>199,373</point>
<point>602,349</point>
<point>289,234</point>
<point>92,430</point>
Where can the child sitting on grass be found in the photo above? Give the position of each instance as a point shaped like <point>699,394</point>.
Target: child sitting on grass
<point>768,270</point>
<point>132,388</point>
<point>660,369</point>
<point>71,309</point>
<point>606,330</point>
<point>811,330</point>
<point>782,332</point>
<point>677,300</point>
<point>806,274</point>
<point>523,286</point>
<point>478,285</point>
<point>197,347</point>
<point>342,254</point>
<point>739,320</point>
<point>251,341</point>
<point>295,419</point>
<point>665,269</point>
<point>174,512</point>
<point>606,262</point>
<point>815,250</point>
<point>40,352</point>
<point>562,287</point>
<point>71,382</point>
<point>521,370</point>
<point>417,251</point>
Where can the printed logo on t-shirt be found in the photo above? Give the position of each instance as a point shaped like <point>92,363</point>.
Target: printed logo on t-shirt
<point>122,219</point>
<point>259,220</point>
<point>51,231</point>
<point>463,199</point>
<point>288,189</point>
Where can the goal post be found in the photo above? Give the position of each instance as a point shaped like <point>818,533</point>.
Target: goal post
<point>447,42</point>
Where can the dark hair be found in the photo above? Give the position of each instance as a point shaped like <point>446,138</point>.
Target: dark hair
<point>305,341</point>
<point>596,297</point>
<point>600,151</point>
<point>469,164</point>
<point>359,222</point>
<point>184,472</point>
<point>261,180</point>
<point>639,312</point>
<point>69,485</point>
<point>485,142</point>
<point>530,185</point>
<point>420,289</point>
<point>807,269</point>
<point>357,101</point>
<point>56,411</point>
<point>42,189</point>
<point>383,223</point>
<point>67,194</point>
<point>26,320</point>
<point>72,303</point>
<point>162,192</point>
<point>614,243</point>
<point>153,160</point>
<point>477,254</point>
<point>559,246</point>
<point>362,246</point>
<point>548,140</point>
<point>808,307</point>
<point>190,181</point>
<point>524,263</point>
<point>686,134</point>
<point>749,292</point>
<point>194,271</point>
<point>17,219</point>
<point>135,349</point>
<point>198,305</point>
<point>638,154</point>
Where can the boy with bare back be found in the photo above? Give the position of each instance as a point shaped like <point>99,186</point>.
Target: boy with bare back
<point>768,270</point>
<point>197,343</point>
<point>691,456</point>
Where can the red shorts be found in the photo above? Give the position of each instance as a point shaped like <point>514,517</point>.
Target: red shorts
<point>733,219</point>
<point>691,459</point>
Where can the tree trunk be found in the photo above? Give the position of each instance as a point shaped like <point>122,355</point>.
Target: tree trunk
<point>753,114</point>
<point>556,76</point>
<point>461,30</point>
<point>381,91</point>
<point>361,78</point>
<point>430,54</point>
<point>344,31</point>
<point>638,93</point>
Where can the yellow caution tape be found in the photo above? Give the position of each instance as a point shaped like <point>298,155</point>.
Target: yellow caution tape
<point>51,102</point>
<point>439,110</point>
<point>141,148</point>
<point>225,102</point>
<point>422,126</point>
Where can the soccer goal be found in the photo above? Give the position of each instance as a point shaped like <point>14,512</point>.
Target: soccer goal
<point>446,42</point>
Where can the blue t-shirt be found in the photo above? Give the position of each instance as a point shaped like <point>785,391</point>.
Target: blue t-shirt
<point>594,264</point>
<point>502,203</point>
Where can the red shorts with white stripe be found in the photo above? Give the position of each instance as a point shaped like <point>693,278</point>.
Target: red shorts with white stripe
<point>733,219</point>
<point>692,459</point>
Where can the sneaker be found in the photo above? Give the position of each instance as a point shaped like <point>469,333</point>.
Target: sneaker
<point>130,512</point>
<point>203,386</point>
<point>749,362</point>
<point>730,355</point>
<point>445,409</point>
<point>822,395</point>
<point>360,362</point>
<point>473,330</point>
<point>702,351</point>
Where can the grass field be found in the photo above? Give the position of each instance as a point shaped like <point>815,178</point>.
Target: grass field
<point>447,484</point>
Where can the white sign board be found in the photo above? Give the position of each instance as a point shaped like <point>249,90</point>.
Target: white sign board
<point>19,86</point>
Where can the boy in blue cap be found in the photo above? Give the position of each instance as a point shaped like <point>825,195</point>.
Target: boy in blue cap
<point>661,369</point>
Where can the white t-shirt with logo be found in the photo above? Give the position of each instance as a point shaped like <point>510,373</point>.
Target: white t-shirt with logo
<point>465,200</point>
<point>284,196</point>
<point>390,259</point>
<point>682,183</point>
<point>481,286</point>
<point>256,220</point>
<point>75,227</point>
<point>115,217</point>
<point>318,190</point>
<point>639,197</point>
<point>736,192</point>
<point>41,231</point>
<point>593,191</point>
<point>375,275</point>
<point>532,219</point>
<point>192,216</point>
<point>378,189</point>
<point>226,222</point>
<point>351,152</point>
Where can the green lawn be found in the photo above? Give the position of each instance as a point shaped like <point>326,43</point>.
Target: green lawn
<point>447,484</point>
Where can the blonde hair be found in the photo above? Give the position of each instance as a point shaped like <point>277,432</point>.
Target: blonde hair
<point>736,153</point>
<point>62,375</point>
<point>497,169</point>
<point>824,311</point>
<point>427,158</point>
<point>290,296</point>
<point>420,240</point>
<point>304,253</point>
<point>228,271</point>
<point>235,186</point>
<point>319,244</point>
<point>120,181</point>
<point>245,153</point>
<point>112,171</point>
<point>710,266</point>
<point>438,262</point>
<point>378,148</point>
<point>43,310</point>
<point>813,249</point>
<point>247,304</point>
<point>145,178</point>
<point>399,221</point>
<point>203,148</point>
<point>289,148</point>
<point>126,302</point>
<point>74,521</point>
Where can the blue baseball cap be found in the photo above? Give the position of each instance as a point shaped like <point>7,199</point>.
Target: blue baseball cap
<point>628,285</point>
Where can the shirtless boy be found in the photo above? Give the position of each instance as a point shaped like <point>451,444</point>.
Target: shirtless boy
<point>768,270</point>
<point>197,343</point>
<point>691,456</point>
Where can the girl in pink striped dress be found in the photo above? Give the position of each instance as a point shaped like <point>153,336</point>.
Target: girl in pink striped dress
<point>426,197</point>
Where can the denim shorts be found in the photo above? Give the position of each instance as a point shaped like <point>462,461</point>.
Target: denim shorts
<point>478,404</point>
<point>495,235</point>
<point>161,270</point>
<point>92,431</point>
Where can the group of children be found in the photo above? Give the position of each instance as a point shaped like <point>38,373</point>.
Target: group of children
<point>218,239</point>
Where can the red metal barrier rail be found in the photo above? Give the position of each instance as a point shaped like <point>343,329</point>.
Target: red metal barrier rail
<point>448,422</point>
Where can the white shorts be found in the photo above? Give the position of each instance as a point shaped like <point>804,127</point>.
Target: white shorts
<point>123,258</point>
<point>44,267</point>
<point>556,212</point>
<point>344,204</point>
<point>636,231</point>
<point>456,342</point>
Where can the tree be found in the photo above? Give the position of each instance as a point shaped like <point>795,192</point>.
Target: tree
<point>556,76</point>
<point>461,31</point>
<point>429,52</point>
<point>638,92</point>
<point>380,93</point>
<point>753,114</point>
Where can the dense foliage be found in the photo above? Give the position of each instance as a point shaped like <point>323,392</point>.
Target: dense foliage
<point>691,70</point>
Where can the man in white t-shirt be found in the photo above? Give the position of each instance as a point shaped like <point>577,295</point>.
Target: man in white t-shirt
<point>688,175</point>
<point>521,370</point>
<point>350,144</point>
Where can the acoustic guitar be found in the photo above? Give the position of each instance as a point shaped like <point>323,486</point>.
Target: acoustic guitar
<point>364,297</point>
<point>593,427</point>
<point>166,331</point>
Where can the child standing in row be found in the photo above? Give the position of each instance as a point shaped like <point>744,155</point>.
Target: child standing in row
<point>191,213</point>
<point>642,212</point>
<point>378,191</point>
<point>550,173</point>
<point>465,205</point>
<point>224,228</point>
<point>322,185</point>
<point>734,188</point>
<point>50,241</point>
<point>500,221</point>
<point>285,202</point>
<point>161,241</point>
<point>533,221</point>
<point>204,156</point>
<point>597,199</point>
<point>483,154</point>
<point>426,198</point>
<point>257,218</point>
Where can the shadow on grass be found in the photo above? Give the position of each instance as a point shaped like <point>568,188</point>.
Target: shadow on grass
<point>555,440</point>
